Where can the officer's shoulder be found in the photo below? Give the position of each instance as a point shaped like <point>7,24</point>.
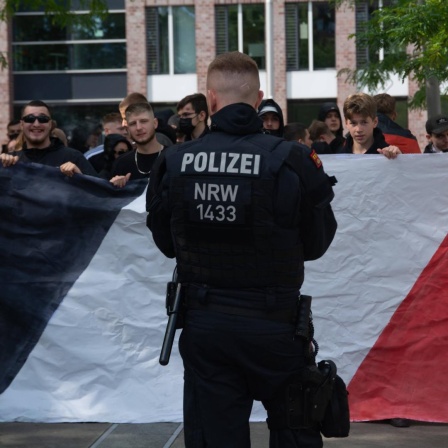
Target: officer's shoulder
<point>262,141</point>
<point>301,157</point>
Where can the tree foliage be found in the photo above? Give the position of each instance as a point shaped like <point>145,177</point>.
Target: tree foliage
<point>61,12</point>
<point>414,37</point>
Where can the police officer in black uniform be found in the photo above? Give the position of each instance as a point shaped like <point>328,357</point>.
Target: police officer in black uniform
<point>241,211</point>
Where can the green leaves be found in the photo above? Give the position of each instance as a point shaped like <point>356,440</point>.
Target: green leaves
<point>60,11</point>
<point>414,37</point>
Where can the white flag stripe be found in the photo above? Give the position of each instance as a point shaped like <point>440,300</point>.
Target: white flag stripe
<point>97,360</point>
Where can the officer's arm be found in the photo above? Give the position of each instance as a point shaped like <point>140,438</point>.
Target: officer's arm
<point>317,222</point>
<point>159,216</point>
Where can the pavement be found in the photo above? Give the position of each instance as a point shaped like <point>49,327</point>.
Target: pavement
<point>170,435</point>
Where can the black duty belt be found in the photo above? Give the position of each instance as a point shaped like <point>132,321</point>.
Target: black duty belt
<point>287,316</point>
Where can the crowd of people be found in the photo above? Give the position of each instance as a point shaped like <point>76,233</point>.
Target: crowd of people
<point>127,152</point>
<point>240,230</point>
<point>370,128</point>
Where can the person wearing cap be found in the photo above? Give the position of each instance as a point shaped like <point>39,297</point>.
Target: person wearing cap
<point>271,114</point>
<point>437,134</point>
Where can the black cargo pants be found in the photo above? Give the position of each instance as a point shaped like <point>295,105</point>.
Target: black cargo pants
<point>229,362</point>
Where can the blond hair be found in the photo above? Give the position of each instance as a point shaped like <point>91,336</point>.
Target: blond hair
<point>132,98</point>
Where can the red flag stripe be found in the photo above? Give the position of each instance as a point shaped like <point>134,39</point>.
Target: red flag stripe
<point>404,374</point>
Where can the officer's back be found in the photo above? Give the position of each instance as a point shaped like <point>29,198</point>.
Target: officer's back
<point>241,211</point>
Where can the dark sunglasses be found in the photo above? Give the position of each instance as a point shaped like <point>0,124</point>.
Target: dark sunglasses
<point>32,118</point>
<point>119,153</point>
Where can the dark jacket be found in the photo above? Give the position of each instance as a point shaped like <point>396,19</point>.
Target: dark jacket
<point>110,142</point>
<point>164,128</point>
<point>397,135</point>
<point>236,207</point>
<point>56,155</point>
<point>279,112</point>
<point>429,149</point>
<point>328,107</point>
<point>81,134</point>
<point>325,148</point>
<point>379,142</point>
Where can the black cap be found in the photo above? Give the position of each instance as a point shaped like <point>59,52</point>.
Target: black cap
<point>266,109</point>
<point>437,124</point>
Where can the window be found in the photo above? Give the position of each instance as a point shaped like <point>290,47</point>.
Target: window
<point>69,57</point>
<point>39,28</point>
<point>241,28</point>
<point>171,43</point>
<point>38,45</point>
<point>305,111</point>
<point>310,36</point>
<point>364,11</point>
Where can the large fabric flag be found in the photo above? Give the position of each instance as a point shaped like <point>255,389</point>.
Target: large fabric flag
<point>82,295</point>
<point>51,226</point>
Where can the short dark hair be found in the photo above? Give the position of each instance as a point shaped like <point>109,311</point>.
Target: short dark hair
<point>385,104</point>
<point>198,102</point>
<point>294,132</point>
<point>318,128</point>
<point>35,103</point>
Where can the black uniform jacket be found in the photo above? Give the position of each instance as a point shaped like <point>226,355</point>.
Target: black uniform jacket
<point>240,123</point>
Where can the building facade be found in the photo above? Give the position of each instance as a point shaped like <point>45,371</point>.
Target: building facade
<point>162,48</point>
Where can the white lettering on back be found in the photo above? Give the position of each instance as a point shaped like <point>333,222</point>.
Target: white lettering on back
<point>213,190</point>
<point>231,167</point>
<point>200,162</point>
<point>229,191</point>
<point>211,164</point>
<point>216,192</point>
<point>186,160</point>
<point>256,168</point>
<point>215,162</point>
<point>199,191</point>
<point>246,163</point>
